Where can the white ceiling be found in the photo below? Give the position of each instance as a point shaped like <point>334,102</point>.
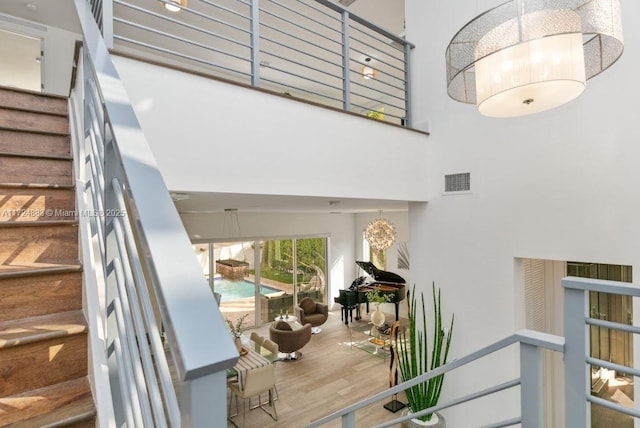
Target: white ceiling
<point>190,202</point>
<point>55,13</point>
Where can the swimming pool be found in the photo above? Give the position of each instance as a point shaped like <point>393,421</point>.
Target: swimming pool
<point>233,290</point>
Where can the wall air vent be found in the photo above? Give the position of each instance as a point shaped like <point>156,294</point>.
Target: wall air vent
<point>457,183</point>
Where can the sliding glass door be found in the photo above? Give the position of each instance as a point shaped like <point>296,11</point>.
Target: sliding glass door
<point>261,279</point>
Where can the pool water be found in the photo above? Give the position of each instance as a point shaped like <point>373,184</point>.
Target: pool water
<point>234,290</point>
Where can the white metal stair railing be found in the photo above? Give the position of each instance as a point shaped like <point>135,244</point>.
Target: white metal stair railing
<point>577,324</point>
<point>531,345</point>
<point>141,277</point>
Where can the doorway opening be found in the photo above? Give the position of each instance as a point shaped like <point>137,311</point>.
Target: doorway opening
<point>608,344</point>
<point>21,61</point>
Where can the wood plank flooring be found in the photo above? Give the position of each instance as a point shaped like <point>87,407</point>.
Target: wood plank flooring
<point>331,375</point>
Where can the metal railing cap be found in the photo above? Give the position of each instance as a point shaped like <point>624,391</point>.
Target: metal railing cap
<point>600,285</point>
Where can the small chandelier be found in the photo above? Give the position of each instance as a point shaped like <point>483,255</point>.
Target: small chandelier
<point>380,234</point>
<point>524,57</point>
<point>170,5</point>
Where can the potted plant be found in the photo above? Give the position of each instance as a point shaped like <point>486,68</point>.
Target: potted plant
<point>236,330</point>
<point>376,297</point>
<point>415,358</point>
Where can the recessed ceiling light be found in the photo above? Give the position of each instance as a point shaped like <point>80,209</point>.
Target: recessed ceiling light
<point>32,7</point>
<point>174,5</point>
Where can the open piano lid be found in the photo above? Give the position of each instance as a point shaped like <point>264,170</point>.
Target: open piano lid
<point>380,275</point>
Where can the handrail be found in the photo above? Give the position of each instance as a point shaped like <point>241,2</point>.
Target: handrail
<point>152,280</point>
<point>527,337</point>
<point>282,47</point>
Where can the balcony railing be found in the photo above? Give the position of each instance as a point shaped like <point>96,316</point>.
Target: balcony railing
<point>314,50</point>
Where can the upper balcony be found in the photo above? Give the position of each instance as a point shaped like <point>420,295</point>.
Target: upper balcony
<point>312,50</point>
<point>210,56</point>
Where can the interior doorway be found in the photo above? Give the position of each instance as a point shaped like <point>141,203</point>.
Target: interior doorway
<point>543,302</point>
<point>21,65</point>
<point>608,344</point>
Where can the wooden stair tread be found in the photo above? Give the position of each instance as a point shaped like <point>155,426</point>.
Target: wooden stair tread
<point>37,155</point>
<point>54,405</point>
<point>33,101</point>
<point>44,327</point>
<point>33,121</point>
<point>21,270</point>
<point>33,131</point>
<point>17,271</point>
<point>42,223</point>
<point>36,186</point>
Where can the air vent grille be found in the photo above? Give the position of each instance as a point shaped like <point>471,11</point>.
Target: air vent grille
<point>457,182</point>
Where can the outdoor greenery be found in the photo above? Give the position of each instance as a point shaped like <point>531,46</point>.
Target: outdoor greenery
<point>277,275</point>
<point>277,259</point>
<point>413,354</point>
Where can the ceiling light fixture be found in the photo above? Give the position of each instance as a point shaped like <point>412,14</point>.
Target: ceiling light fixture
<point>174,5</point>
<point>380,233</point>
<point>524,57</point>
<point>368,72</point>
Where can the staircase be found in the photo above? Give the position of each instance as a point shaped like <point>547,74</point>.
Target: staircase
<point>43,333</point>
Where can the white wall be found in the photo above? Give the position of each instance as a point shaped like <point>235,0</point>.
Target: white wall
<point>560,185</point>
<point>213,136</point>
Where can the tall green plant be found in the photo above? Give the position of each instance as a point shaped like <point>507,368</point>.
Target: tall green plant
<point>413,354</point>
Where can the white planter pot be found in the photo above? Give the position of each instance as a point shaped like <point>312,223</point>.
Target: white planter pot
<point>437,421</point>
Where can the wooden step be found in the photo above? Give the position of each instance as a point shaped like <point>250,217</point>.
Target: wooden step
<point>42,363</point>
<point>38,244</point>
<point>64,404</point>
<point>34,143</point>
<point>29,330</point>
<point>18,169</point>
<point>22,203</point>
<point>33,121</point>
<point>33,101</point>
<point>33,292</point>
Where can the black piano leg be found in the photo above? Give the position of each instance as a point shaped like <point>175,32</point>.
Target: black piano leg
<point>396,310</point>
<point>358,317</point>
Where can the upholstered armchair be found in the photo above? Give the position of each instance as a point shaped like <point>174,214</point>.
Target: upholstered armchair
<point>290,340</point>
<point>309,311</point>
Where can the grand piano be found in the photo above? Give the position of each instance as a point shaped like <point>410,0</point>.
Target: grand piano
<point>388,282</point>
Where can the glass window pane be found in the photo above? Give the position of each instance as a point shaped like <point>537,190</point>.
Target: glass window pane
<point>276,274</point>
<point>311,262</point>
